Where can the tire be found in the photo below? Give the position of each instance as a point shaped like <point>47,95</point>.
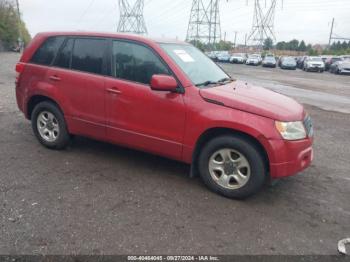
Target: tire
<point>252,167</point>
<point>54,133</point>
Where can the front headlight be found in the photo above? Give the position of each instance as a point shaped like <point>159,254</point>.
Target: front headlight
<point>291,130</point>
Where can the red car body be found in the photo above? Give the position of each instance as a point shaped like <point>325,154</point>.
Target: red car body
<point>169,124</point>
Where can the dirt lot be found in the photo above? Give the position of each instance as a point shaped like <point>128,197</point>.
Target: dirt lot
<point>96,198</point>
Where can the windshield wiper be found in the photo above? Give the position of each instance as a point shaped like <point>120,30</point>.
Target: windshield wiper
<point>219,82</point>
<point>226,79</point>
<point>206,83</point>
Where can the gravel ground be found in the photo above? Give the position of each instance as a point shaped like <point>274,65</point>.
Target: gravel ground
<point>97,198</point>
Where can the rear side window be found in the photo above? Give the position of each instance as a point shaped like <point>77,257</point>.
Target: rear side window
<point>47,51</point>
<point>135,62</point>
<point>88,55</point>
<point>64,57</point>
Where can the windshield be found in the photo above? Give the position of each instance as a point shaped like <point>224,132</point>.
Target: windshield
<point>270,58</point>
<point>319,59</point>
<point>199,68</point>
<point>289,60</point>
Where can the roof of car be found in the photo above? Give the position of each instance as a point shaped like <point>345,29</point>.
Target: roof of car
<point>129,36</point>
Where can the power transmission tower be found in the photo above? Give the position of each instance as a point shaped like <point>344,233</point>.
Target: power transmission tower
<point>131,17</point>
<point>204,24</point>
<point>263,23</point>
<point>333,36</point>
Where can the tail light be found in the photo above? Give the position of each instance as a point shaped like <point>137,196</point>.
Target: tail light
<point>19,70</point>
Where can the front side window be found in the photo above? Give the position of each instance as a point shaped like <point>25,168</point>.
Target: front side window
<point>48,50</point>
<point>135,62</point>
<point>197,66</point>
<point>88,55</point>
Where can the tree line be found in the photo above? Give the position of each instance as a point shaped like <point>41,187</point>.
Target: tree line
<point>11,27</point>
<point>337,48</point>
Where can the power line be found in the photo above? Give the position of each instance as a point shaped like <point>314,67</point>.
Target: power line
<point>85,11</point>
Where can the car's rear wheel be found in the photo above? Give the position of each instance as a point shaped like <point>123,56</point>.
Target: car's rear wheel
<point>49,125</point>
<point>232,166</point>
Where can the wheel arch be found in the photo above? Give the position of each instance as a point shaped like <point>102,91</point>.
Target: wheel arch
<point>220,131</point>
<point>36,99</point>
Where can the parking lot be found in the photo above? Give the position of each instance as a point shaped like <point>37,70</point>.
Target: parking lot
<point>97,198</point>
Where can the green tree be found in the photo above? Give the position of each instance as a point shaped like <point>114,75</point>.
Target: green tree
<point>223,45</point>
<point>302,46</point>
<point>11,27</point>
<point>281,45</point>
<point>293,45</point>
<point>268,44</point>
<point>200,45</point>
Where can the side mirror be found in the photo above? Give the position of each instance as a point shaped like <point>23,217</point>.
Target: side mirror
<point>163,83</point>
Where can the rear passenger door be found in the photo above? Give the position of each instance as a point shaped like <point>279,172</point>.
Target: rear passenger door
<point>78,73</point>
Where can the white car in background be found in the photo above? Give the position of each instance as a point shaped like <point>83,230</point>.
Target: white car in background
<point>314,63</point>
<point>238,58</point>
<point>253,60</point>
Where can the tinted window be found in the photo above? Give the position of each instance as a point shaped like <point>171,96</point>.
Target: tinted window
<point>46,53</point>
<point>64,57</point>
<point>88,55</point>
<point>135,62</point>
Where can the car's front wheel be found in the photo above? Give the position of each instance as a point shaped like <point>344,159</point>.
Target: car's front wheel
<point>49,125</point>
<point>232,166</point>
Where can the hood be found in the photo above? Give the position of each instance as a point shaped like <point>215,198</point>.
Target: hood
<point>256,100</point>
<point>345,64</point>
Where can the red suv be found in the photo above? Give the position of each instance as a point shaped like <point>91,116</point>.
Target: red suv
<point>166,98</point>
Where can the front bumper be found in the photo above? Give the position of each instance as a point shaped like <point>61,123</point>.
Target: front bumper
<point>315,68</point>
<point>344,71</point>
<point>269,65</point>
<point>290,157</point>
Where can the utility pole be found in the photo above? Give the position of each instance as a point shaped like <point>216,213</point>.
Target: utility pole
<point>204,23</point>
<point>331,34</point>
<point>131,17</point>
<point>263,23</point>
<point>235,39</point>
<point>20,37</point>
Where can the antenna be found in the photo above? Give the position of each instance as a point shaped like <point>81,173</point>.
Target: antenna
<point>131,17</point>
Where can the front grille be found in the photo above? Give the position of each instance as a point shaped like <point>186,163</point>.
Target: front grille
<point>309,126</point>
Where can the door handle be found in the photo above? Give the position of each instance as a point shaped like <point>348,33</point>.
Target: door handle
<point>114,91</point>
<point>55,78</point>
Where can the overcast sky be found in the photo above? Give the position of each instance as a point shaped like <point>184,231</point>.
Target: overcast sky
<point>301,19</point>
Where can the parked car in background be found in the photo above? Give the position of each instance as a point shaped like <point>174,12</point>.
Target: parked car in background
<point>300,62</point>
<point>253,60</point>
<point>345,57</point>
<point>325,57</point>
<point>166,98</point>
<point>340,67</point>
<point>269,61</point>
<point>238,58</point>
<point>213,55</point>
<point>314,64</point>
<point>223,57</point>
<point>329,61</point>
<point>288,62</point>
<point>259,57</point>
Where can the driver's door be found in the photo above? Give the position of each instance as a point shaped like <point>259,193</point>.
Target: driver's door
<point>137,116</point>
